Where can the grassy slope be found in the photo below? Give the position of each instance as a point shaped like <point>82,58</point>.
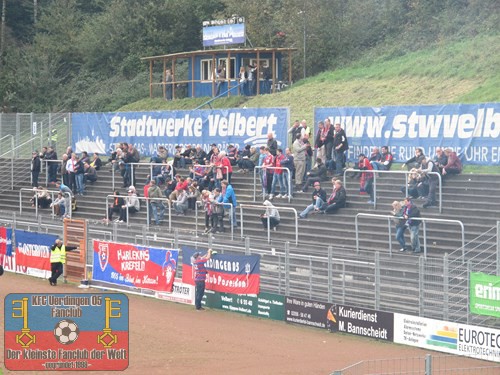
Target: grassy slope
<point>460,72</point>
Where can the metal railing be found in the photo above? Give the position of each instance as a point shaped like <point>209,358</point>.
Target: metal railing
<point>151,166</point>
<point>296,218</point>
<point>68,208</point>
<point>422,219</point>
<point>289,178</point>
<point>375,172</point>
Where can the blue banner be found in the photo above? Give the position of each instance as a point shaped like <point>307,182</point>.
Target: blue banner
<point>223,35</point>
<point>471,130</point>
<point>100,132</point>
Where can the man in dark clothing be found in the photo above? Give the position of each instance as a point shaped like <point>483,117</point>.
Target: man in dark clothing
<point>340,146</point>
<point>337,199</point>
<point>318,173</point>
<point>272,145</point>
<point>411,212</point>
<point>318,199</point>
<point>52,165</point>
<point>35,169</point>
<point>200,275</point>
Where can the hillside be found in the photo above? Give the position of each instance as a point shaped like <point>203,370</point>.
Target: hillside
<point>460,72</point>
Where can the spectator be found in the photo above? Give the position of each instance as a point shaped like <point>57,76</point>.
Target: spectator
<point>130,206</point>
<point>118,202</point>
<point>268,171</point>
<point>305,129</point>
<point>412,184</point>
<point>232,154</point>
<point>272,144</point>
<point>248,159</point>
<point>318,199</point>
<point>299,157</point>
<point>228,196</point>
<point>52,165</point>
<point>71,167</point>
<point>319,143</point>
<point>193,194</point>
<point>58,205</point>
<point>207,203</point>
<point>433,180</point>
<point>79,176</point>
<point>181,204</point>
<point>328,140</point>
<point>41,198</point>
<point>340,146</point>
<point>294,130</point>
<point>90,173</point>
<point>366,180</point>
<point>154,194</point>
<point>440,159</point>
<point>35,168</point>
<point>200,275</point>
<point>398,212</point>
<point>410,213</point>
<point>224,166</point>
<point>181,185</point>
<point>278,176</point>
<point>385,162</point>
<point>415,161</point>
<point>454,165</point>
<point>336,200</point>
<point>217,212</point>
<point>375,156</point>
<point>318,173</point>
<point>271,217</point>
<point>96,162</point>
<point>287,162</point>
<point>64,171</point>
<point>199,155</point>
<point>309,154</point>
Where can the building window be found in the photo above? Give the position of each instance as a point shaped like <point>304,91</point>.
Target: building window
<point>206,70</point>
<point>230,68</point>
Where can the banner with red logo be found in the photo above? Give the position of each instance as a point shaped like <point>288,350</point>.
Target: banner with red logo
<point>135,266</point>
<point>237,274</point>
<point>33,252</point>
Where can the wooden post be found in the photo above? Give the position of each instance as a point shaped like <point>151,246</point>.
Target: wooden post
<point>150,79</point>
<point>192,76</point>
<point>173,78</point>
<point>289,67</point>
<point>274,71</point>
<point>257,76</point>
<point>164,81</point>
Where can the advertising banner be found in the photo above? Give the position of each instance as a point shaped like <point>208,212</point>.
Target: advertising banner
<point>484,294</point>
<point>66,332</point>
<point>237,274</point>
<point>100,132</point>
<point>471,130</point>
<point>454,338</point>
<point>5,241</point>
<point>224,34</point>
<point>363,322</point>
<point>181,293</point>
<point>33,252</point>
<point>135,266</point>
<point>265,305</point>
<point>309,313</point>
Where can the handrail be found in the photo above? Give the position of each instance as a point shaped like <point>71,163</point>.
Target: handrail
<point>218,96</point>
<point>268,222</point>
<point>423,219</point>
<point>147,208</point>
<point>68,198</point>
<point>151,166</point>
<point>375,171</point>
<point>283,169</point>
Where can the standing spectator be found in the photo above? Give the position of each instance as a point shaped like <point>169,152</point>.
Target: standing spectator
<point>305,129</point>
<point>224,165</point>
<point>319,142</point>
<point>337,199</point>
<point>454,165</point>
<point>309,154</point>
<point>57,260</point>
<point>267,165</point>
<point>206,201</point>
<point>272,144</point>
<point>318,199</point>
<point>118,202</point>
<point>366,180</point>
<point>328,134</point>
<point>217,213</point>
<point>318,173</point>
<point>200,275</point>
<point>228,196</point>
<point>433,180</point>
<point>70,168</point>
<point>415,161</point>
<point>294,130</point>
<point>278,175</point>
<point>271,217</point>
<point>411,212</point>
<point>168,84</point>
<point>35,168</point>
<point>287,162</point>
<point>243,81</point>
<point>252,79</point>
<point>221,78</point>
<point>130,206</point>
<point>299,157</point>
<point>156,205</point>
<point>79,176</point>
<point>85,157</point>
<point>52,165</point>
<point>398,212</point>
<point>340,146</point>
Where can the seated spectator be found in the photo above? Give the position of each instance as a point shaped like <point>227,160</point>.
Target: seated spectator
<point>232,154</point>
<point>171,185</point>
<point>118,202</point>
<point>130,206</point>
<point>41,198</point>
<point>440,159</point>
<point>385,162</point>
<point>248,159</point>
<point>181,204</point>
<point>58,205</point>
<point>454,165</point>
<point>165,174</point>
<point>199,155</point>
<point>271,217</point>
<point>156,205</point>
<point>96,161</point>
<point>375,156</point>
<point>318,198</point>
<point>160,155</point>
<point>182,185</point>
<point>90,173</point>
<point>336,200</point>
<point>317,173</point>
<point>415,161</point>
<point>412,184</point>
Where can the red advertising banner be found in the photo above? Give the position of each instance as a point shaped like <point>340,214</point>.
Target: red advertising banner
<point>33,252</point>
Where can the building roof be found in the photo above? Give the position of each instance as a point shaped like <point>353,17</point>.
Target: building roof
<point>217,52</point>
